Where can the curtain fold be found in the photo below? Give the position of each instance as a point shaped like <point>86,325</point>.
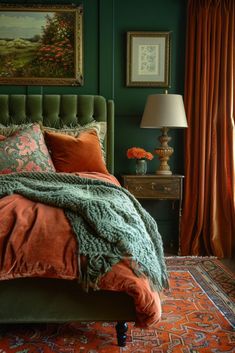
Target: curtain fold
<point>208,219</point>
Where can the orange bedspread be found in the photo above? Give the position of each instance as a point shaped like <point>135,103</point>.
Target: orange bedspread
<point>36,240</point>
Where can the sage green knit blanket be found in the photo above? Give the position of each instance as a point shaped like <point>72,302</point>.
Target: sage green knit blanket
<point>109,223</point>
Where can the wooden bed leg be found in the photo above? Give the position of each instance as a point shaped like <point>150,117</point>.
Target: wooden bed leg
<point>121,329</point>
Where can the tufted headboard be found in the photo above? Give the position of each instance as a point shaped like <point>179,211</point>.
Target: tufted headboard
<point>59,110</point>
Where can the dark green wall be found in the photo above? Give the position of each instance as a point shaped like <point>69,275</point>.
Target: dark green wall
<point>150,15</point>
<point>106,23</point>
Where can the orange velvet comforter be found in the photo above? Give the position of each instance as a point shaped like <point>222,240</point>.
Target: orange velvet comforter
<point>36,240</point>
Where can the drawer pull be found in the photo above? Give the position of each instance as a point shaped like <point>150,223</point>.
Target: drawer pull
<point>138,188</point>
<point>156,187</point>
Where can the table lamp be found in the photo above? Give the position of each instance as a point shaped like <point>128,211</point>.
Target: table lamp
<point>164,111</point>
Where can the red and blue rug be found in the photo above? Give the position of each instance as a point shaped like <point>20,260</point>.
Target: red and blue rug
<point>198,317</point>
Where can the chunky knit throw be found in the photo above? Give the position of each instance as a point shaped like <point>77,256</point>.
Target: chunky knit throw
<point>109,223</point>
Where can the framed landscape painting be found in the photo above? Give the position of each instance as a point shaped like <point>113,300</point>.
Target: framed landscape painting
<point>41,45</point>
<point>148,59</point>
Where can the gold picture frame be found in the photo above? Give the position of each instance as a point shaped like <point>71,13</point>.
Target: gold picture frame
<point>41,45</point>
<point>148,59</point>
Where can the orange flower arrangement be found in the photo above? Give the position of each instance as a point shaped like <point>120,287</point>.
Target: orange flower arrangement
<point>138,153</point>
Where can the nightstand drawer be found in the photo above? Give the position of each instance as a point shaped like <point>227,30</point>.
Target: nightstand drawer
<point>153,188</point>
<point>157,187</point>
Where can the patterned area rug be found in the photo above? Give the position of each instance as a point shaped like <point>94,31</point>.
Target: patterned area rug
<point>198,317</point>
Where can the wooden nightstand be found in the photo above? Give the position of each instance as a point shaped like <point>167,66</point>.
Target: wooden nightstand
<point>156,187</point>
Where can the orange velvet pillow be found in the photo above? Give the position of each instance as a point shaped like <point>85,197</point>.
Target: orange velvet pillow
<point>76,154</point>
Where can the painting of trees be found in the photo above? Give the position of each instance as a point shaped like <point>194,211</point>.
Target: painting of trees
<point>56,51</point>
<point>50,49</point>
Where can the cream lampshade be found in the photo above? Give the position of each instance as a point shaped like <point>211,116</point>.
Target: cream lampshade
<point>164,111</point>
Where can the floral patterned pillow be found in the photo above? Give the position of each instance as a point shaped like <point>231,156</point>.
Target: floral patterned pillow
<point>10,130</point>
<point>25,151</point>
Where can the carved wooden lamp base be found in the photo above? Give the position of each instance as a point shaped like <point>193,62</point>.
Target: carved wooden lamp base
<point>164,152</point>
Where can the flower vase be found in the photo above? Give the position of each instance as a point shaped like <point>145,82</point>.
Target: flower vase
<point>141,166</point>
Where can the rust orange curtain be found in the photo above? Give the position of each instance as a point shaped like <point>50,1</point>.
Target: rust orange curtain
<point>208,219</point>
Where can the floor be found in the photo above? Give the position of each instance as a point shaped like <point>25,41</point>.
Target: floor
<point>230,263</point>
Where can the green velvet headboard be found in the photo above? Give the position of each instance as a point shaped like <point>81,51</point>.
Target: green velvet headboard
<point>59,110</point>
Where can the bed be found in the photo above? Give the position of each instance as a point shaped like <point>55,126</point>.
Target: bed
<point>63,279</point>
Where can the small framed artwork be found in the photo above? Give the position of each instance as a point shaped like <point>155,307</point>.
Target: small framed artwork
<point>148,59</point>
<point>41,45</point>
